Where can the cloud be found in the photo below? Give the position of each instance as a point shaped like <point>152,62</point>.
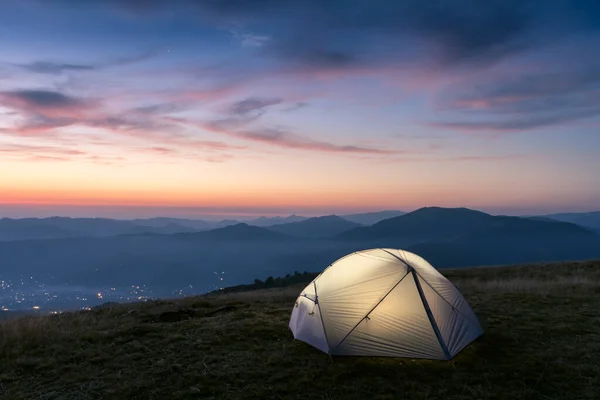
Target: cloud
<point>357,34</point>
<point>253,104</point>
<point>33,153</point>
<point>239,118</point>
<point>518,124</point>
<point>49,67</point>
<point>238,128</point>
<point>249,39</point>
<point>47,158</point>
<point>347,33</point>
<point>46,109</point>
<point>499,91</point>
<point>43,111</point>
<point>161,150</point>
<point>282,138</point>
<point>12,148</point>
<point>56,68</point>
<point>507,157</point>
<point>39,98</point>
<point>160,108</point>
<point>296,106</point>
<point>523,101</point>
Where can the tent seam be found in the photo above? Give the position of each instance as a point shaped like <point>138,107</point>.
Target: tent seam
<point>447,302</point>
<point>436,292</point>
<point>370,311</point>
<point>399,259</point>
<point>321,315</point>
<point>432,321</point>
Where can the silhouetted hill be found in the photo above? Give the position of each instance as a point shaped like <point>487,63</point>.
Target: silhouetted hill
<point>506,240</point>
<point>372,217</point>
<point>318,227</point>
<point>491,250</point>
<point>270,221</point>
<point>446,237</point>
<point>423,224</point>
<point>11,229</point>
<point>463,237</point>
<point>526,228</point>
<point>161,222</point>
<point>237,232</point>
<point>227,222</point>
<point>588,220</point>
<point>63,227</point>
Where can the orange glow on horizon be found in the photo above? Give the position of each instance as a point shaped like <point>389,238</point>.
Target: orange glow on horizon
<point>191,198</point>
<point>259,201</point>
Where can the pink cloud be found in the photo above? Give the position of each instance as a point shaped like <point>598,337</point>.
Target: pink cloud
<point>51,153</point>
<point>46,103</point>
<point>237,128</point>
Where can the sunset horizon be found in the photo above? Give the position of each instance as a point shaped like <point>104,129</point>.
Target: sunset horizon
<point>128,212</point>
<point>226,109</point>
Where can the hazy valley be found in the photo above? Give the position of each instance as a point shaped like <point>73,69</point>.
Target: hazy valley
<point>60,263</point>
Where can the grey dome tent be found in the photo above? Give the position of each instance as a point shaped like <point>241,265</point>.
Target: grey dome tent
<point>384,302</point>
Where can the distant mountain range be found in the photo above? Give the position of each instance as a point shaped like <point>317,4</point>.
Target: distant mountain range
<point>270,221</point>
<point>166,253</point>
<point>372,217</point>
<point>188,224</point>
<point>589,220</point>
<point>237,232</point>
<point>64,227</point>
<point>318,227</point>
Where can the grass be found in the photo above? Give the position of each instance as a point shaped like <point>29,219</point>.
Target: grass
<point>541,341</point>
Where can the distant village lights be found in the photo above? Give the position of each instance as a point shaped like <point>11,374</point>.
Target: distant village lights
<point>25,293</point>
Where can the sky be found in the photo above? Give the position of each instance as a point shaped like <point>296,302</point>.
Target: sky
<point>197,108</point>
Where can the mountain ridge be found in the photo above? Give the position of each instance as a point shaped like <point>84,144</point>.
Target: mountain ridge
<point>316,227</point>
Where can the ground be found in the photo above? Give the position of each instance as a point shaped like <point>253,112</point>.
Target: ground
<point>541,341</point>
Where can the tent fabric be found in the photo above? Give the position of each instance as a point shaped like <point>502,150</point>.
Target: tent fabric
<point>384,302</point>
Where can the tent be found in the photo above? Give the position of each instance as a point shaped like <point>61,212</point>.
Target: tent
<point>384,302</point>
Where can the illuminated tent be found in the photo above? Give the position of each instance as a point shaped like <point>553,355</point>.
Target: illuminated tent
<point>384,302</point>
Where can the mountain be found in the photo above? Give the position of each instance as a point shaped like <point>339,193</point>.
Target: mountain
<point>237,232</point>
<point>162,222</point>
<point>589,220</point>
<point>190,225</point>
<point>62,227</point>
<point>512,243</point>
<point>11,229</point>
<point>317,227</point>
<point>502,227</point>
<point>372,217</point>
<point>422,225</point>
<point>461,237</point>
<point>241,252</point>
<point>270,221</point>
<point>226,222</point>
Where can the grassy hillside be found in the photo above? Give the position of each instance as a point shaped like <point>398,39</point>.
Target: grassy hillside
<point>541,341</point>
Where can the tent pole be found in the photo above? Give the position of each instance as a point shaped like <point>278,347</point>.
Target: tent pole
<point>434,325</point>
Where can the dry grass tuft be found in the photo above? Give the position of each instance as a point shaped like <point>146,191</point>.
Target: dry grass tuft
<point>529,285</point>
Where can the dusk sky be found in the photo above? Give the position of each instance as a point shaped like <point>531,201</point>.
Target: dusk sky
<point>270,107</point>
